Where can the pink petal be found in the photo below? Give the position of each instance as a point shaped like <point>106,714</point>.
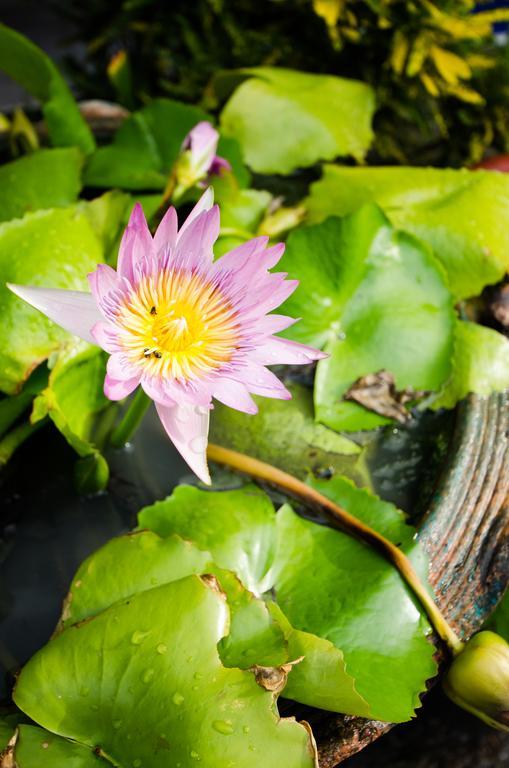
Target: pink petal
<point>277,351</point>
<point>238,258</point>
<point>260,381</point>
<point>102,281</point>
<point>120,368</point>
<point>187,427</point>
<point>155,388</point>
<point>75,311</point>
<point>234,394</point>
<point>195,246</point>
<point>117,390</point>
<point>166,233</point>
<point>271,297</point>
<point>202,140</point>
<point>269,324</point>
<point>106,336</point>
<point>205,203</point>
<point>136,244</point>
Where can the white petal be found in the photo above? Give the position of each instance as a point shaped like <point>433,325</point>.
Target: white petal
<point>187,427</point>
<point>75,311</point>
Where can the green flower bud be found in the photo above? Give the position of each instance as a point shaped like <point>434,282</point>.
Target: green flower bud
<point>478,679</point>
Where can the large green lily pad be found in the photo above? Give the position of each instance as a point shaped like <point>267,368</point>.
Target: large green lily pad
<point>54,248</point>
<point>49,178</point>
<point>35,71</point>
<point>285,120</point>
<point>462,214</point>
<point>33,747</point>
<point>480,364</point>
<point>342,602</point>
<point>142,682</point>
<point>374,299</point>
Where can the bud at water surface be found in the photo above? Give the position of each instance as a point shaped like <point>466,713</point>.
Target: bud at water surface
<point>478,679</point>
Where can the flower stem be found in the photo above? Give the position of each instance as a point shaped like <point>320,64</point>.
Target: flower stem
<point>16,437</point>
<point>130,420</point>
<point>347,523</point>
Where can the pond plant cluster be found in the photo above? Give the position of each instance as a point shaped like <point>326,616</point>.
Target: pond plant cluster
<point>177,639</point>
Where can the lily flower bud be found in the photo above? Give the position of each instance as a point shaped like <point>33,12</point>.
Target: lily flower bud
<point>478,679</point>
<point>198,160</point>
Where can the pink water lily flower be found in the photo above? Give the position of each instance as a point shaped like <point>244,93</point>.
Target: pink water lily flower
<point>198,160</point>
<point>183,326</point>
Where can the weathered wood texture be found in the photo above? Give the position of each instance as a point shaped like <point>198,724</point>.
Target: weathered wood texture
<point>466,535</point>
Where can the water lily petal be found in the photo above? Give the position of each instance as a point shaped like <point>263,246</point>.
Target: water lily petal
<point>117,390</point>
<point>277,351</point>
<point>205,203</point>
<point>187,427</point>
<point>75,311</point>
<point>166,233</point>
<point>234,394</point>
<point>106,337</point>
<point>260,381</point>
<point>195,246</point>
<point>135,245</point>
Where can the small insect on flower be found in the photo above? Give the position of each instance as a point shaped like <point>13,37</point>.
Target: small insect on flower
<point>183,326</point>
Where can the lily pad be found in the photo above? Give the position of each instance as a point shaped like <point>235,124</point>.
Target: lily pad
<point>33,747</point>
<point>49,178</point>
<point>142,682</point>
<point>139,561</point>
<point>285,120</point>
<point>74,397</point>
<point>35,71</point>
<point>342,603</point>
<point>54,248</point>
<point>460,213</point>
<point>480,364</point>
<point>286,435</point>
<point>374,299</point>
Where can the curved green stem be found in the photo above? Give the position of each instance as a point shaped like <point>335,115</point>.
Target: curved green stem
<point>131,419</point>
<point>349,524</point>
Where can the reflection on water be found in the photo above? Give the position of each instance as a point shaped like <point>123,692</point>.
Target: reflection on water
<point>47,529</point>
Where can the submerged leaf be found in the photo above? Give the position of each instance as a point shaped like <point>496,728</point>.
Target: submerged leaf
<point>462,214</point>
<point>286,435</point>
<point>374,298</point>
<point>377,392</point>
<point>143,680</point>
<point>285,120</point>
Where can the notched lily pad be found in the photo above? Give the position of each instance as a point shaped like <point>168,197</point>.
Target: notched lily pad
<point>143,682</point>
<point>373,298</point>
<point>340,605</point>
<point>33,747</point>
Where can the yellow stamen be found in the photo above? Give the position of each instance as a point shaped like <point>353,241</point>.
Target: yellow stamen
<point>177,325</point>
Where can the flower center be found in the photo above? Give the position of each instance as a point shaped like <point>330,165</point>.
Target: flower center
<point>178,325</point>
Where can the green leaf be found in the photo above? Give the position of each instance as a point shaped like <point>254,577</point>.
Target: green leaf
<point>329,584</point>
<point>49,178</point>
<point>242,210</point>
<point>216,522</point>
<point>285,119</point>
<point>499,621</point>
<point>139,561</point>
<point>54,248</point>
<point>285,434</point>
<point>337,601</point>
<point>480,364</point>
<point>375,299</point>
<point>37,748</point>
<point>11,408</point>
<point>35,71</point>
<point>144,148</point>
<point>108,215</point>
<point>143,679</point>
<point>460,213</point>
<point>73,399</point>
